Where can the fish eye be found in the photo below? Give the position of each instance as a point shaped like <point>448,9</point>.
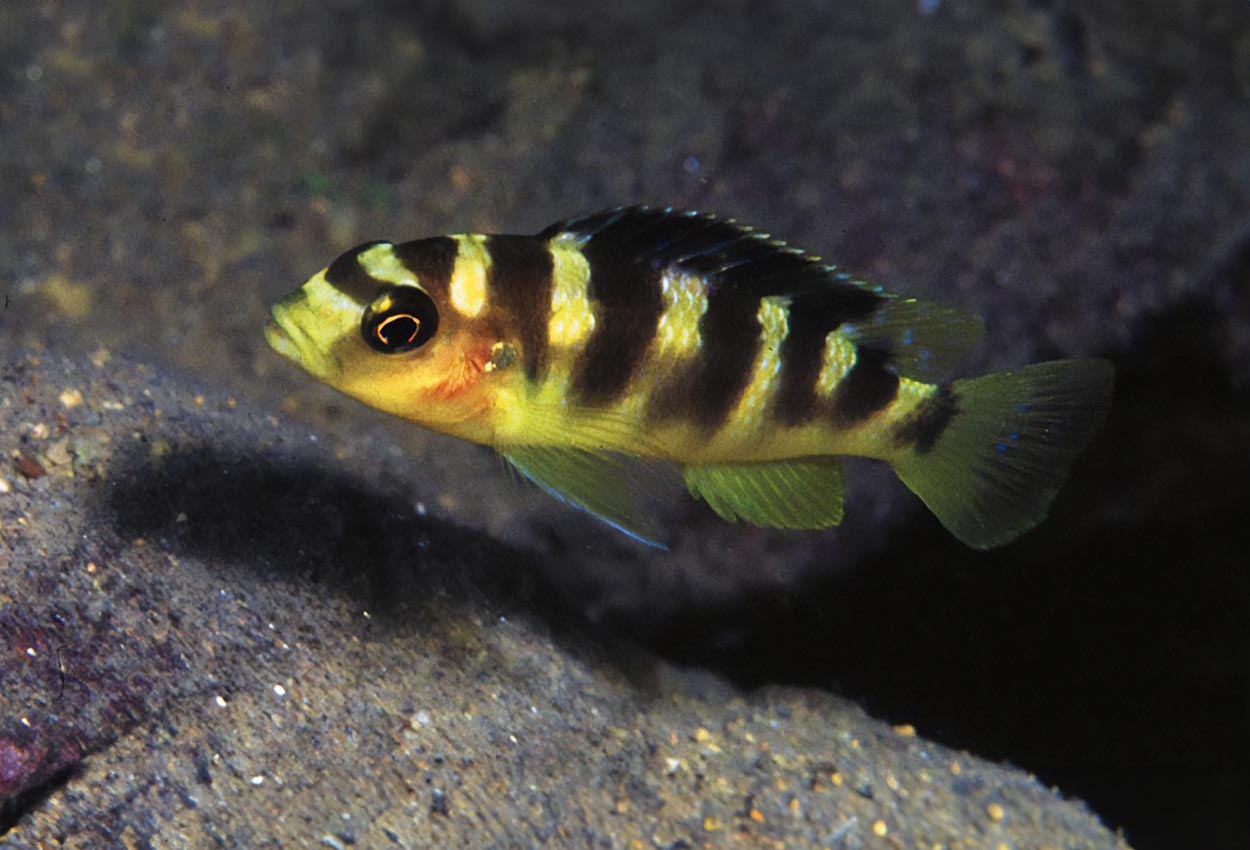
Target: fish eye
<point>400,320</point>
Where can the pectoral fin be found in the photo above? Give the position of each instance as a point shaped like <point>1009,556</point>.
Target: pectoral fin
<point>803,493</point>
<point>622,491</point>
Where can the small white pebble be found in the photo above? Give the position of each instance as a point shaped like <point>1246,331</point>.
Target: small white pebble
<point>5,486</point>
<point>279,690</point>
<point>422,717</point>
<point>30,650</point>
<point>26,722</point>
<point>331,841</point>
<point>220,700</point>
<point>672,765</point>
<point>257,780</point>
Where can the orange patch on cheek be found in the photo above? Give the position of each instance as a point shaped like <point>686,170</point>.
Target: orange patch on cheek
<point>462,374</point>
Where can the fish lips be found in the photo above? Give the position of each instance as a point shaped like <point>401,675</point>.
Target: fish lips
<point>285,337</point>
<point>280,341</point>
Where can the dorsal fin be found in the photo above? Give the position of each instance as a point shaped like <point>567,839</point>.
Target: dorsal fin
<point>737,255</point>
<point>925,340</point>
<point>744,265</point>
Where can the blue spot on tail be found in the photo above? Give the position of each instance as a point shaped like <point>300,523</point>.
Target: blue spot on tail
<point>1013,436</point>
<point>1001,447</point>
<point>907,337</point>
<point>1022,408</point>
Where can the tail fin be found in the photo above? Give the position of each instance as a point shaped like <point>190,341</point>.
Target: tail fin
<point>993,471</point>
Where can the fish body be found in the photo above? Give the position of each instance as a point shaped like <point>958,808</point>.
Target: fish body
<point>606,345</point>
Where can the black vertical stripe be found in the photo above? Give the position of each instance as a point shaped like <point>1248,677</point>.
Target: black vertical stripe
<point>519,283</point>
<point>867,388</point>
<point>740,274</point>
<point>347,275</point>
<point>629,249</point>
<point>812,317</point>
<point>741,270</point>
<point>431,261</point>
<point>626,299</point>
<point>732,335</point>
<point>707,389</point>
<point>922,428</point>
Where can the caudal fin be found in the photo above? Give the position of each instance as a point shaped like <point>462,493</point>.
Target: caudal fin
<point>993,471</point>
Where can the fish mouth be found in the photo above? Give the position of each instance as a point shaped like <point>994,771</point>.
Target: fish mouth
<point>285,337</point>
<point>280,341</point>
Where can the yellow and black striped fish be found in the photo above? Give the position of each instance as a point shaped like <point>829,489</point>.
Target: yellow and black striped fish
<point>609,343</point>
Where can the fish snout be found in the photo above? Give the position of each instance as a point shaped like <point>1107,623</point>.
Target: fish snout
<point>285,335</point>
<point>279,340</point>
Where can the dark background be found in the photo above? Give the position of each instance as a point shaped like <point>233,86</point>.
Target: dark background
<point>1075,173</point>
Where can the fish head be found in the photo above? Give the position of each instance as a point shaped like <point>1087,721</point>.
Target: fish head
<point>391,344</point>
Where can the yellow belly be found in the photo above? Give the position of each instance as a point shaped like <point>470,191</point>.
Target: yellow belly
<point>541,418</point>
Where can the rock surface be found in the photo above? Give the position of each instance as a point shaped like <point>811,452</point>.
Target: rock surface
<point>218,638</point>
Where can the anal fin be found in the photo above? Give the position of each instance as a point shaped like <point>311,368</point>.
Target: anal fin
<point>799,493</point>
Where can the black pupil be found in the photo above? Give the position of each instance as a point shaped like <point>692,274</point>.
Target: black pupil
<point>400,320</point>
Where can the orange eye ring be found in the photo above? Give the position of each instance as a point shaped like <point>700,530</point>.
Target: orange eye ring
<point>397,330</point>
<point>402,319</point>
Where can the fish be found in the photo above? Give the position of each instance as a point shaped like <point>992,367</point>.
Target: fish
<point>613,352</point>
